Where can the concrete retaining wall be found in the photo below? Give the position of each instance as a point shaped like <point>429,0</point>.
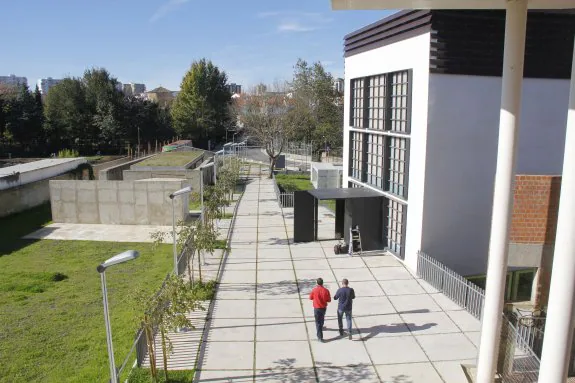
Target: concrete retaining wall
<point>115,172</point>
<point>24,197</point>
<point>144,202</point>
<point>97,168</point>
<point>192,176</point>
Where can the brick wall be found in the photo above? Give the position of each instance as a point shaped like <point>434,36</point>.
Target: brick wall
<point>535,204</point>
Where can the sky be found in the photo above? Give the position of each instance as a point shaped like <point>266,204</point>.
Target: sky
<point>155,41</point>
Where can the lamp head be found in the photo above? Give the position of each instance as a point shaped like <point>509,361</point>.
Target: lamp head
<point>187,189</point>
<point>117,259</point>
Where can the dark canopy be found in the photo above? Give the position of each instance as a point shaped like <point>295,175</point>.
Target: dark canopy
<point>343,193</point>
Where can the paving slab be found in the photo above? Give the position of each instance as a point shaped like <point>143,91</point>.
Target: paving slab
<point>231,355</point>
<point>278,308</point>
<point>286,375</point>
<point>451,371</point>
<point>100,232</point>
<point>412,373</point>
<point>395,350</point>
<point>445,347</point>
<point>364,373</point>
<point>231,329</point>
<point>223,376</point>
<point>292,354</point>
<point>402,287</point>
<point>414,303</point>
<point>340,352</point>
<point>287,329</point>
<point>430,323</point>
<point>379,326</point>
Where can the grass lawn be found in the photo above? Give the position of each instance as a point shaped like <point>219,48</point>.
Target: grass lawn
<point>51,316</point>
<point>295,182</point>
<point>171,159</point>
<point>142,375</point>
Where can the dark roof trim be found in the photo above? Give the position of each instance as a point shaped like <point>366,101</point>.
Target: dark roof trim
<point>394,28</point>
<point>344,193</point>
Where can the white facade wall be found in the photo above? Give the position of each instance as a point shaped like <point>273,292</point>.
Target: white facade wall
<point>22,174</point>
<point>462,153</point>
<point>412,53</point>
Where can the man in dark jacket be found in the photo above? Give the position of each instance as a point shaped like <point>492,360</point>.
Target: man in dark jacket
<point>345,295</point>
<point>320,297</point>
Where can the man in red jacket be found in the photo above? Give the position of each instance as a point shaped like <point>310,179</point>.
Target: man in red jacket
<point>320,297</point>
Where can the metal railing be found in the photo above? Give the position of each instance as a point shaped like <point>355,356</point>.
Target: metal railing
<point>140,344</point>
<point>518,362</point>
<point>285,199</point>
<point>454,286</point>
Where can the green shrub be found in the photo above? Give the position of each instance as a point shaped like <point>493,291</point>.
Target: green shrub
<point>68,153</point>
<point>204,291</point>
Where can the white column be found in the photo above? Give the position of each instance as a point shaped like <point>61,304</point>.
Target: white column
<point>513,59</point>
<point>559,327</point>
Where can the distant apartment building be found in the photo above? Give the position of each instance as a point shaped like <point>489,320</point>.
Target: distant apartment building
<point>133,89</point>
<point>338,85</point>
<point>13,80</point>
<point>235,88</point>
<point>161,95</point>
<point>44,84</point>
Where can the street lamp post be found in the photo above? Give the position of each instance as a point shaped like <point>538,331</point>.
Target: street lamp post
<point>186,190</point>
<point>138,142</point>
<point>115,260</point>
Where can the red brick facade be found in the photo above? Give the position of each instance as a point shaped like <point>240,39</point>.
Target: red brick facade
<point>535,204</point>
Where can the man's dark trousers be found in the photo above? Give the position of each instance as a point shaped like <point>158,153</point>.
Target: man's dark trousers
<point>319,315</point>
<point>347,319</point>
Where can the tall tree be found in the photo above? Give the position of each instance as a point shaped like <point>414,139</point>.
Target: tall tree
<point>267,118</point>
<point>23,121</point>
<point>318,107</point>
<point>67,113</point>
<point>200,111</point>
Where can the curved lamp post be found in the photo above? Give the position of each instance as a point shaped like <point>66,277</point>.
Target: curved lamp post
<point>115,260</point>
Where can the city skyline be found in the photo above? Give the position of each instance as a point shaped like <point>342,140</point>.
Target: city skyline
<point>154,42</point>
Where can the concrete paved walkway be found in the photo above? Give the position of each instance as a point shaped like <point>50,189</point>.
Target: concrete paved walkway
<point>262,327</point>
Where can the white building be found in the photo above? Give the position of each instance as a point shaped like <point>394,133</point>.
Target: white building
<point>234,88</point>
<point>421,122</point>
<point>13,80</point>
<point>133,89</point>
<point>45,84</point>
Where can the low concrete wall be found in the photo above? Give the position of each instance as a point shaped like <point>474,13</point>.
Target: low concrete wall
<point>115,172</point>
<point>192,176</point>
<point>21,174</point>
<point>27,196</point>
<point>144,202</point>
<point>105,165</point>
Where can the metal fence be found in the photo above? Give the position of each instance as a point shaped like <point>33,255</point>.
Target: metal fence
<point>140,344</point>
<point>285,199</point>
<point>518,362</point>
<point>451,284</point>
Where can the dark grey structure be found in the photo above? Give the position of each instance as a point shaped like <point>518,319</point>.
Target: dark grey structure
<point>354,206</point>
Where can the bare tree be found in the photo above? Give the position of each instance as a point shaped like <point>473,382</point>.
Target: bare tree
<point>265,116</point>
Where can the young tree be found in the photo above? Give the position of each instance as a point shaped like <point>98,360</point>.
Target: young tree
<point>166,311</point>
<point>200,110</point>
<point>266,116</point>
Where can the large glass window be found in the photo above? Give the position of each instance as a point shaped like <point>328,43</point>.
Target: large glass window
<point>374,163</point>
<point>395,230</point>
<point>377,102</point>
<point>399,102</point>
<point>397,159</point>
<point>357,102</point>
<point>356,159</point>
